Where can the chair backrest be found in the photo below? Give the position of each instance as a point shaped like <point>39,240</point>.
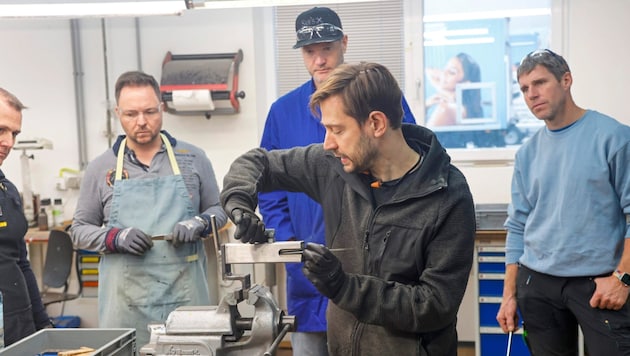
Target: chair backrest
<point>58,263</point>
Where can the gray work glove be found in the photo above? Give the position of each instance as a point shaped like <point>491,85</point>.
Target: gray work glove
<point>249,228</point>
<point>133,241</point>
<point>189,230</point>
<point>323,269</point>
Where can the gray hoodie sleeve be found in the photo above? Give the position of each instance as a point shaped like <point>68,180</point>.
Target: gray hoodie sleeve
<point>88,229</point>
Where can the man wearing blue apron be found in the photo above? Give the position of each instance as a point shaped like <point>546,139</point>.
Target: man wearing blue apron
<point>148,185</point>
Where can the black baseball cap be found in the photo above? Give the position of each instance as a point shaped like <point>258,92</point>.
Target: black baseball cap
<point>317,25</point>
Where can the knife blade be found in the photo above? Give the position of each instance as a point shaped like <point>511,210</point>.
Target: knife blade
<point>167,237</point>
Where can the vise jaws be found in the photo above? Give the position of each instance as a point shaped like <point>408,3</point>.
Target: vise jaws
<point>221,330</point>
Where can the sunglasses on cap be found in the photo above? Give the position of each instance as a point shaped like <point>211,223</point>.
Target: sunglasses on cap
<point>547,58</point>
<point>542,53</point>
<point>321,30</point>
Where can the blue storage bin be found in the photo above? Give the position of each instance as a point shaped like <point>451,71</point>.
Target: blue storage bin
<point>491,253</point>
<point>488,314</point>
<point>491,287</point>
<point>491,267</point>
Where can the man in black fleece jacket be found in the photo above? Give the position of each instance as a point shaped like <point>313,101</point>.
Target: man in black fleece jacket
<point>398,215</point>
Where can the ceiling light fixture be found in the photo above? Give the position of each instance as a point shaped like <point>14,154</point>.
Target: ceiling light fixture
<point>488,15</point>
<point>225,4</point>
<point>92,9</point>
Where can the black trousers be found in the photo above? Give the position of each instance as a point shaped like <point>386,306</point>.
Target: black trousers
<point>552,307</point>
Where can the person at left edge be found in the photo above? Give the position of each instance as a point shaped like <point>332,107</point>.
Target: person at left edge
<point>24,312</point>
<point>147,184</point>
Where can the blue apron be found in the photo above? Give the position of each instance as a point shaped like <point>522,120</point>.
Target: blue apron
<point>137,290</point>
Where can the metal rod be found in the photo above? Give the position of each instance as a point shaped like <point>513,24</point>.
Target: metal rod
<point>299,251</point>
<point>108,113</point>
<point>204,56</point>
<point>79,91</point>
<point>218,249</point>
<point>509,343</point>
<point>244,323</point>
<point>272,349</point>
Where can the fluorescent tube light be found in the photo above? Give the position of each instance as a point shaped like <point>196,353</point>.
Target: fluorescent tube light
<point>225,4</point>
<point>488,14</point>
<point>93,9</point>
<point>458,41</point>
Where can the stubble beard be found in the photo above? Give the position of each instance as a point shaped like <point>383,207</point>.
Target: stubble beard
<point>363,157</point>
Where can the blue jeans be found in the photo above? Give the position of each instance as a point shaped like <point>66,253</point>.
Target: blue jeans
<point>309,344</point>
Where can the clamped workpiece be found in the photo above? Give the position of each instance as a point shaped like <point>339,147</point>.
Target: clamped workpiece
<point>221,330</point>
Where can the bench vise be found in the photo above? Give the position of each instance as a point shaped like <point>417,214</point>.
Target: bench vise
<point>221,330</point>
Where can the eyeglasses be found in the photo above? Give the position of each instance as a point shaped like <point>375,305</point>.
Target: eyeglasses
<point>132,115</point>
<point>320,30</point>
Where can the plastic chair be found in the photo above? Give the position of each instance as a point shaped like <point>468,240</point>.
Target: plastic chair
<point>60,258</point>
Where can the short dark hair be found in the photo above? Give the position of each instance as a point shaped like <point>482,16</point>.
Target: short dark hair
<point>363,87</point>
<point>546,58</point>
<point>137,79</point>
<point>12,100</point>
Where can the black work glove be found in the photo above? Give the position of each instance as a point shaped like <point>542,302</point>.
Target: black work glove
<point>323,269</point>
<point>189,230</point>
<point>133,241</point>
<point>249,228</point>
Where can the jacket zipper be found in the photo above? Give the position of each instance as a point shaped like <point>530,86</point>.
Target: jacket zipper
<point>356,337</point>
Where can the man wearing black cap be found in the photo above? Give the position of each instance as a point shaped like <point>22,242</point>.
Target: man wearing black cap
<point>295,216</point>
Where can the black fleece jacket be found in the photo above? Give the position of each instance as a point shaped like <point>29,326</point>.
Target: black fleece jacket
<point>407,259</point>
<point>24,312</point>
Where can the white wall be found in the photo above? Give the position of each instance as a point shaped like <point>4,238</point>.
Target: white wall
<point>597,54</point>
<point>36,64</point>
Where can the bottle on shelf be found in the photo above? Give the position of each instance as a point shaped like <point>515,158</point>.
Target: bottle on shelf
<point>46,204</point>
<point>57,212</point>
<point>42,220</point>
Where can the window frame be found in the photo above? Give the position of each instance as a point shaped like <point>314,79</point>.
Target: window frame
<point>411,79</point>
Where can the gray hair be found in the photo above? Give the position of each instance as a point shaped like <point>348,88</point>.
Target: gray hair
<point>546,58</point>
<point>12,100</point>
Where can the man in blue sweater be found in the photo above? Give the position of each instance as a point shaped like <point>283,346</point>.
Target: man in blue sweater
<point>568,242</point>
<point>295,216</point>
